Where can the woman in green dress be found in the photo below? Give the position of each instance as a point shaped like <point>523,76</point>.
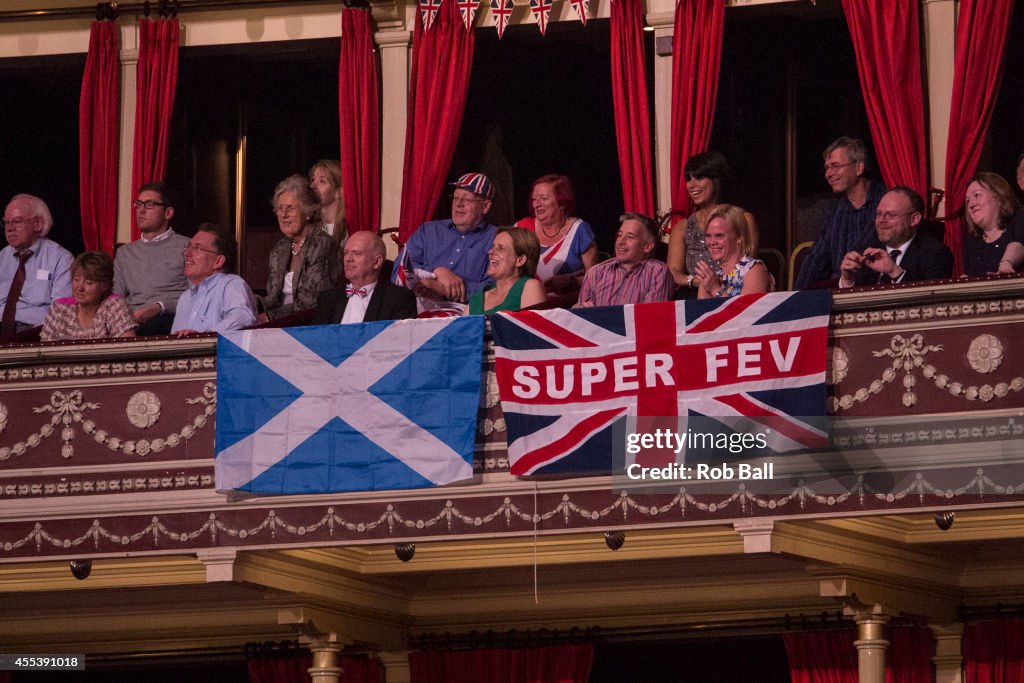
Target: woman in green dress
<point>512,263</point>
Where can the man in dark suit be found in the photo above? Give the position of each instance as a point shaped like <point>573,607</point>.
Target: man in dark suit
<point>368,296</point>
<point>900,253</point>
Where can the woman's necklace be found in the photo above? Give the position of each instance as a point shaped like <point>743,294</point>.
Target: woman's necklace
<point>296,248</point>
<point>553,235</point>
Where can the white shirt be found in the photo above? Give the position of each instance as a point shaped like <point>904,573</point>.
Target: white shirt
<point>355,309</point>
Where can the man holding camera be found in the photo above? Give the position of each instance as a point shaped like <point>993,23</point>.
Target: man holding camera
<point>900,253</point>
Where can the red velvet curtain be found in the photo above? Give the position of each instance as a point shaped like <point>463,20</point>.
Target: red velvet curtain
<point>696,60</point>
<point>560,664</point>
<point>359,117</point>
<point>981,29</point>
<point>887,41</point>
<point>994,650</point>
<point>909,655</point>
<point>154,102</point>
<point>822,656</point>
<point>295,670</point>
<point>629,97</point>
<point>442,59</point>
<point>99,117</point>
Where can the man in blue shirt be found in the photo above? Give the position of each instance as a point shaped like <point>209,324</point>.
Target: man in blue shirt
<point>450,257</point>
<point>850,222</point>
<point>215,301</point>
<point>34,271</point>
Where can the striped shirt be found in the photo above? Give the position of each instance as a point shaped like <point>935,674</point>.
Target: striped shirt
<point>613,284</point>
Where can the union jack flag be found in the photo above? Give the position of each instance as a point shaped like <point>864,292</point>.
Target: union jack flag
<point>501,10</point>
<point>428,12</point>
<point>541,9</point>
<point>581,7</point>
<point>566,376</point>
<point>468,10</point>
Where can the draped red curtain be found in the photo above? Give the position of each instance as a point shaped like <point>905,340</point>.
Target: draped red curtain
<point>359,118</point>
<point>295,670</point>
<point>822,656</point>
<point>629,97</point>
<point>994,651</point>
<point>981,29</point>
<point>442,60</point>
<point>909,655</point>
<point>887,41</point>
<point>696,60</point>
<point>559,664</point>
<point>154,101</point>
<point>99,118</point>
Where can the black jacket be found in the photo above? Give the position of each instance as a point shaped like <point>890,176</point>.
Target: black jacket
<point>387,302</point>
<point>926,259</point>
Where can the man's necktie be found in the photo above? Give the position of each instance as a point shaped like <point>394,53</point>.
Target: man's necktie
<point>350,290</point>
<point>9,324</point>
<point>893,254</point>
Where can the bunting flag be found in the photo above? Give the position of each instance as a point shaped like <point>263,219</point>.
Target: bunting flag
<point>581,7</point>
<point>501,10</point>
<point>428,12</point>
<point>541,9</point>
<point>468,9</point>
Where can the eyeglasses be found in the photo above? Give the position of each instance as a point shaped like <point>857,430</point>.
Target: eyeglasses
<point>195,247</point>
<point>148,204</point>
<point>836,167</point>
<point>17,222</point>
<point>458,200</point>
<point>285,211</point>
<point>890,215</point>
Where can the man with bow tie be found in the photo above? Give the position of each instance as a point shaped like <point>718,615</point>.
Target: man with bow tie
<point>900,253</point>
<point>367,296</point>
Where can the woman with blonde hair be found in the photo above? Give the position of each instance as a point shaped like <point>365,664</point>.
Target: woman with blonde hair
<point>325,179</point>
<point>730,243</point>
<point>512,263</point>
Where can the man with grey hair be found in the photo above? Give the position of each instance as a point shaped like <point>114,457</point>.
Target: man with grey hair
<point>631,276</point>
<point>849,223</point>
<point>34,271</point>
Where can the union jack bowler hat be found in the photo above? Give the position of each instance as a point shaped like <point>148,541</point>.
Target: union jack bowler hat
<point>477,183</point>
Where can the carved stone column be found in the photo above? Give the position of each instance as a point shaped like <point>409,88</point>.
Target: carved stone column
<point>871,645</point>
<point>948,656</point>
<point>396,666</point>
<point>326,657</point>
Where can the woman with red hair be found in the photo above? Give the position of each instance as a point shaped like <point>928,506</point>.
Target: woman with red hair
<point>567,246</point>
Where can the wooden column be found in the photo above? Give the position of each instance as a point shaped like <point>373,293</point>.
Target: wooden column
<point>396,666</point>
<point>126,144</point>
<point>871,645</point>
<point>948,655</point>
<point>326,657</point>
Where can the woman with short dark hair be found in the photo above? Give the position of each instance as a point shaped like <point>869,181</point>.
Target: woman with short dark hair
<point>92,311</point>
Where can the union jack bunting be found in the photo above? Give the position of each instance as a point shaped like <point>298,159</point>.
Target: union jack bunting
<point>581,7</point>
<point>468,9</point>
<point>541,9</point>
<point>501,10</point>
<point>428,12</point>
<point>565,377</point>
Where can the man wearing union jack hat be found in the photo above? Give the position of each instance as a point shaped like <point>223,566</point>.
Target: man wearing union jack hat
<point>449,257</point>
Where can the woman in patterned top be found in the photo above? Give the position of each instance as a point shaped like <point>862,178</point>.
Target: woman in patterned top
<point>730,245</point>
<point>92,312</point>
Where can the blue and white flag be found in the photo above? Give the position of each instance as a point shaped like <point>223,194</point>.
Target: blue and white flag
<point>365,407</point>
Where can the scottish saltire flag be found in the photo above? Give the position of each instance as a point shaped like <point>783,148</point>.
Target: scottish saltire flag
<point>363,407</point>
<point>566,376</point>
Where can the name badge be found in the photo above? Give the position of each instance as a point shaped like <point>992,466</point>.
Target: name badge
<point>42,274</point>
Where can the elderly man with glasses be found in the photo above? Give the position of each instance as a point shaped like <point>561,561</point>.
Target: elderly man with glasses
<point>849,222</point>
<point>215,301</point>
<point>149,273</point>
<point>448,258</point>
<point>34,271</point>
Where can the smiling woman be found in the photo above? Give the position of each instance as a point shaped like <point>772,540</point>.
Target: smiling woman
<point>729,245</point>
<point>989,207</point>
<point>512,262</point>
<point>92,312</point>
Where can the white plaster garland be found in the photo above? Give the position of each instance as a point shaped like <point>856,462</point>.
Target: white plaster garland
<point>70,408</point>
